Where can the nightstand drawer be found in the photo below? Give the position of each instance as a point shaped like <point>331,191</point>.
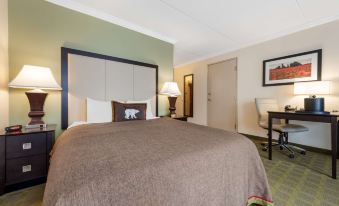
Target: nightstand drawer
<point>25,145</point>
<point>23,169</point>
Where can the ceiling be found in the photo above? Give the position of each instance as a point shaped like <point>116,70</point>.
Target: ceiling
<point>204,28</point>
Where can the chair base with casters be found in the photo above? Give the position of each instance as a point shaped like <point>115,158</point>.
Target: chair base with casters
<point>264,105</point>
<point>284,145</point>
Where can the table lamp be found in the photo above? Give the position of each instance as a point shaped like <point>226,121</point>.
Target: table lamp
<point>313,104</point>
<point>172,91</point>
<point>35,78</point>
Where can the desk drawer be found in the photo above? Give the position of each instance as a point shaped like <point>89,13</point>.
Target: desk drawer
<point>25,145</point>
<point>27,168</point>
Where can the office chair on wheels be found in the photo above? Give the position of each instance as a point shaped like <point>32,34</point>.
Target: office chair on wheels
<point>265,105</point>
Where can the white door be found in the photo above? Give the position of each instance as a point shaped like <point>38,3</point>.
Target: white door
<point>222,94</point>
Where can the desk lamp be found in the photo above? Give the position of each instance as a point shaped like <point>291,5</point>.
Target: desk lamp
<point>172,91</point>
<point>313,104</point>
<point>35,78</point>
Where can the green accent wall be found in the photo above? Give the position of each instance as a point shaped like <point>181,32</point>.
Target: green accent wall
<point>37,30</point>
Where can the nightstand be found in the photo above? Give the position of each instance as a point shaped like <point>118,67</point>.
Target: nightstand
<point>181,118</point>
<point>24,157</point>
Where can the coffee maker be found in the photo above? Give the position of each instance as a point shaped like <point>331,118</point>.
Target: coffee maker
<point>313,104</point>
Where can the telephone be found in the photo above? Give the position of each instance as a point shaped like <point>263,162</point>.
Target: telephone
<point>14,128</point>
<point>288,108</point>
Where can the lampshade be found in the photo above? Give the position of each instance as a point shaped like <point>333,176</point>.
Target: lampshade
<point>35,77</point>
<point>170,89</point>
<point>312,88</point>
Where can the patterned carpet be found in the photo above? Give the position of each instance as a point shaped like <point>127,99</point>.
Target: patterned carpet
<point>303,181</point>
<point>27,197</point>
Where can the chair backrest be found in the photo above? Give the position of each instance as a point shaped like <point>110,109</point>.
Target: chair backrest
<point>263,106</point>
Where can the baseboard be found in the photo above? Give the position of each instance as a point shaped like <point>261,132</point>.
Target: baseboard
<point>307,148</point>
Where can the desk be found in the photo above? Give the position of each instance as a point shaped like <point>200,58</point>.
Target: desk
<point>325,118</point>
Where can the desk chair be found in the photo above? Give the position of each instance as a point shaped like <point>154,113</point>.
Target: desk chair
<point>265,105</point>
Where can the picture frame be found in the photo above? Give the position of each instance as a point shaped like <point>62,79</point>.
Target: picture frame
<point>286,70</point>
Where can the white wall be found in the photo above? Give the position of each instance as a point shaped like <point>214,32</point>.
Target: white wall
<point>3,63</point>
<point>250,81</point>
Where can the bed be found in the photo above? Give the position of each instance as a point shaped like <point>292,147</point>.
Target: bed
<point>146,162</point>
<point>154,162</point>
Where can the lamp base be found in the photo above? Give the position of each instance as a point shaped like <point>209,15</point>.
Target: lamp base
<point>36,100</point>
<point>172,108</point>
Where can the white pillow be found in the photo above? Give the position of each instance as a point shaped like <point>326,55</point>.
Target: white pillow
<point>149,113</point>
<point>74,124</point>
<point>99,111</point>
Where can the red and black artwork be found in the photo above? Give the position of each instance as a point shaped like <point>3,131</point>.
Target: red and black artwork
<point>294,68</point>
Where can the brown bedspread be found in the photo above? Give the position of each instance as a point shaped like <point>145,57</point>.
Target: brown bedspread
<point>155,163</point>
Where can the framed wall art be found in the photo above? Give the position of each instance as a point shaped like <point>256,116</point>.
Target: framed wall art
<point>286,70</point>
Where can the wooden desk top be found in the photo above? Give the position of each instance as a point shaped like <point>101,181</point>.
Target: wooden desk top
<point>331,114</point>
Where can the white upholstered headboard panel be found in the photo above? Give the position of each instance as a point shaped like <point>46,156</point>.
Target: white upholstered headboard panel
<point>103,77</point>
